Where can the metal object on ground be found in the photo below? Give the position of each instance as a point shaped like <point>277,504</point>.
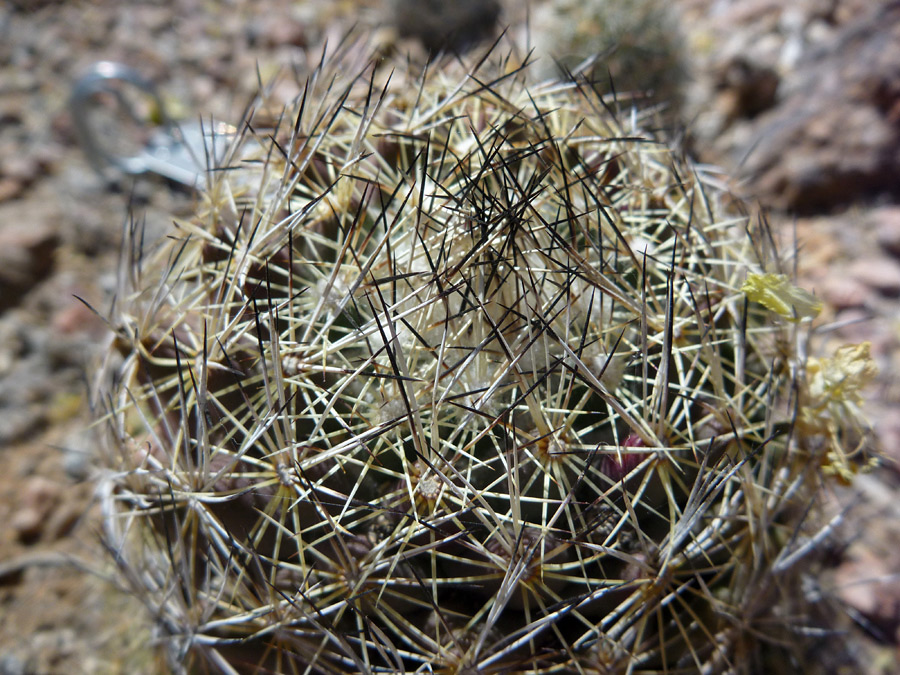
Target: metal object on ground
<point>183,153</point>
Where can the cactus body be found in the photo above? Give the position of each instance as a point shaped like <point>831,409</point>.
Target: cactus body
<point>449,375</point>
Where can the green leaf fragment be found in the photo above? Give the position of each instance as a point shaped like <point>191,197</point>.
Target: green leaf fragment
<point>777,293</point>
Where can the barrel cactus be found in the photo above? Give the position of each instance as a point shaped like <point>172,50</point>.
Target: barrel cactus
<point>448,374</point>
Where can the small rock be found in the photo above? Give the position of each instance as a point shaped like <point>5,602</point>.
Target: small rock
<point>17,422</point>
<point>274,30</point>
<point>24,168</point>
<point>10,664</point>
<point>28,523</point>
<point>26,257</point>
<point>864,583</point>
<point>887,228</point>
<point>47,157</point>
<point>882,274</point>
<point>39,497</point>
<point>10,188</point>
<point>79,450</point>
<point>75,318</point>
<point>833,137</point>
<point>63,520</point>
<point>752,86</point>
<point>843,293</point>
<point>445,24</point>
<point>887,430</point>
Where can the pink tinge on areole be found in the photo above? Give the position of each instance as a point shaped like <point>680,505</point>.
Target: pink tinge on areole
<point>617,465</point>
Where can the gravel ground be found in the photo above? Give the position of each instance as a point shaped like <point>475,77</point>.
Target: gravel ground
<point>756,73</point>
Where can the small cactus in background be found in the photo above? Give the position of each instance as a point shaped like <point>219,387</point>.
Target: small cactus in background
<point>638,47</point>
<point>452,375</point>
<point>444,26</point>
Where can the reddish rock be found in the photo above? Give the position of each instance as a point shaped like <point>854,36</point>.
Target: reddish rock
<point>865,582</point>
<point>26,257</point>
<point>887,228</point>
<point>274,30</point>
<point>75,317</point>
<point>24,168</point>
<point>887,430</point>
<point>843,293</point>
<point>751,87</point>
<point>881,274</point>
<point>38,499</point>
<point>10,188</point>
<point>835,137</point>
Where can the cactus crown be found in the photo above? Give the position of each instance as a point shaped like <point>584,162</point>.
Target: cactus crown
<point>452,375</point>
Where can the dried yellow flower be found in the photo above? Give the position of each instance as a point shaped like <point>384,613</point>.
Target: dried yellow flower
<point>840,378</point>
<point>776,292</point>
<point>833,392</point>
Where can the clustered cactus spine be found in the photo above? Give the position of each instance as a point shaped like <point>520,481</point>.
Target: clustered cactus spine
<point>452,375</point>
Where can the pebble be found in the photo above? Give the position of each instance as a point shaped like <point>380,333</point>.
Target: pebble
<point>843,293</point>
<point>445,25</point>
<point>274,30</point>
<point>18,422</point>
<point>10,189</point>
<point>39,497</point>
<point>10,664</point>
<point>830,139</point>
<point>887,428</point>
<point>24,168</point>
<point>78,453</point>
<point>880,273</point>
<point>752,87</point>
<point>75,318</point>
<point>26,256</point>
<point>887,229</point>
<point>864,583</point>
